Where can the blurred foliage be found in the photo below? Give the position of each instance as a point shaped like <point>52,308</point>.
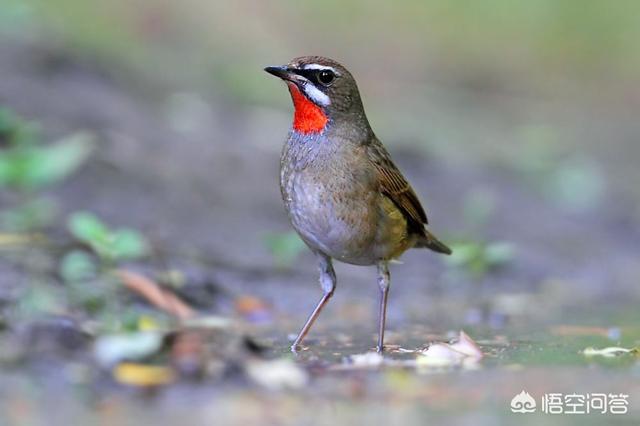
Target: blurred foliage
<point>479,205</point>
<point>88,276</point>
<point>14,130</point>
<point>577,38</point>
<point>27,164</point>
<point>472,253</point>
<point>570,351</point>
<point>284,247</point>
<point>15,15</point>
<point>577,184</point>
<point>410,49</point>
<point>570,180</point>
<point>478,259</point>
<point>77,265</point>
<point>32,214</point>
<point>111,245</point>
<point>39,299</point>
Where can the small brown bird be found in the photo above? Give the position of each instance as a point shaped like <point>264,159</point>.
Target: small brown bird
<point>344,195</point>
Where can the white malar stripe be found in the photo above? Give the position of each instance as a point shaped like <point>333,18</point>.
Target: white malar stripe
<point>320,67</point>
<point>316,95</point>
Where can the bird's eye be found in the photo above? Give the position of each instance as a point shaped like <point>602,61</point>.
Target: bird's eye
<point>325,77</point>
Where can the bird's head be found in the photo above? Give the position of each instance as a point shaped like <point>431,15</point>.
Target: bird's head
<point>322,90</point>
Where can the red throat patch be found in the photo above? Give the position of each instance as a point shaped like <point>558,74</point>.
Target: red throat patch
<point>308,117</point>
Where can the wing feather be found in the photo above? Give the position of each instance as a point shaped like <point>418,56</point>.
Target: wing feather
<point>396,187</point>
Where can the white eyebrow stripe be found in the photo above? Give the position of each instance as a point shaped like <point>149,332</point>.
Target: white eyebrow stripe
<point>320,67</point>
<point>316,95</point>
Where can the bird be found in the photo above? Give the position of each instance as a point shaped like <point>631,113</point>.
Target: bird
<point>343,193</point>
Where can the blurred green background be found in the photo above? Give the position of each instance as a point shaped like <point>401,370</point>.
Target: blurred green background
<point>472,79</point>
<point>144,134</point>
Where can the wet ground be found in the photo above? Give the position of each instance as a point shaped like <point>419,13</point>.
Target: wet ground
<point>198,176</point>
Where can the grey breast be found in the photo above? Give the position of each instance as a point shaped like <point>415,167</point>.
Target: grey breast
<point>330,204</point>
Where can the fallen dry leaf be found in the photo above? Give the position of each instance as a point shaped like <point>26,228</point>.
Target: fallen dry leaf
<point>464,352</point>
<point>366,360</point>
<point>143,375</point>
<point>467,346</point>
<point>609,352</point>
<point>439,355</point>
<point>111,349</point>
<point>363,361</point>
<point>208,322</point>
<point>155,294</point>
<point>277,374</point>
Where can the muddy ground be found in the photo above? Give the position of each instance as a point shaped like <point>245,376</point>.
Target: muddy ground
<point>197,175</point>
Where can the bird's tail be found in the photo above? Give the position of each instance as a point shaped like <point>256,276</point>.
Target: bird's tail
<point>431,242</point>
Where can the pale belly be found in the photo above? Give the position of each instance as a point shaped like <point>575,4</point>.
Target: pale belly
<point>354,226</point>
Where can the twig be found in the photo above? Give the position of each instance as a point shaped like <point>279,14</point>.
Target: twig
<point>156,295</point>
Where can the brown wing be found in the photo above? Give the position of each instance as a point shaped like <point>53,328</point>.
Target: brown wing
<point>396,187</point>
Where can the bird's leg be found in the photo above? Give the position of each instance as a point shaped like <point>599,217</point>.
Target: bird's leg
<point>384,280</point>
<point>328,284</point>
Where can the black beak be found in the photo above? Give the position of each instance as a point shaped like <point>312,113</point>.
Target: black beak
<point>281,71</point>
<point>286,73</point>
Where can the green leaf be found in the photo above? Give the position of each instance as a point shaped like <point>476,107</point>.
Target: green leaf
<point>77,265</point>
<point>463,253</point>
<point>87,228</point>
<point>27,165</point>
<point>109,245</point>
<point>477,259</point>
<point>128,244</point>
<point>51,164</point>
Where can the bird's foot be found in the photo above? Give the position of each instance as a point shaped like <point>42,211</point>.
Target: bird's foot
<point>296,348</point>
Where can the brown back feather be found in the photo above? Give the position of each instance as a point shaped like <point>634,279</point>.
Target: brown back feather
<point>396,187</point>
